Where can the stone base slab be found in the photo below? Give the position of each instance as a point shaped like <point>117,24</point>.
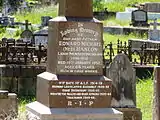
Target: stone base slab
<point>8,106</point>
<point>131,113</point>
<point>38,111</point>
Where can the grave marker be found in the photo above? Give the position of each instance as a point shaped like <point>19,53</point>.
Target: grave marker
<point>45,20</point>
<point>152,7</point>
<point>74,79</point>
<point>154,34</point>
<point>123,87</point>
<point>8,105</point>
<point>27,35</point>
<point>139,18</point>
<point>41,37</point>
<point>124,82</point>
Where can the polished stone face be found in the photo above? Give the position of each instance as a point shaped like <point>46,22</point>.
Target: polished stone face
<point>77,50</point>
<point>80,94</point>
<point>57,93</point>
<point>75,8</point>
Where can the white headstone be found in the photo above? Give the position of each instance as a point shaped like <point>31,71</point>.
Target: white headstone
<point>154,34</point>
<point>41,37</point>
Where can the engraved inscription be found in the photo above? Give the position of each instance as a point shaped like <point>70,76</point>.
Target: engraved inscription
<point>80,49</point>
<point>80,93</point>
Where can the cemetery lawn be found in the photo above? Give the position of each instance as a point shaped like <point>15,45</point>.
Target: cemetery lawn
<point>119,5</point>
<point>35,15</point>
<point>107,38</point>
<point>144,98</point>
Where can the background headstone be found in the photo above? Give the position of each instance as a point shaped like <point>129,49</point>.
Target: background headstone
<point>139,18</point>
<point>122,74</point>
<point>45,20</point>
<point>152,7</point>
<point>154,34</point>
<point>41,37</point>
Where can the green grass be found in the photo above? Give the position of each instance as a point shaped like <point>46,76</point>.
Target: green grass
<point>112,21</point>
<point>35,15</point>
<point>119,5</point>
<point>144,98</point>
<point>113,38</point>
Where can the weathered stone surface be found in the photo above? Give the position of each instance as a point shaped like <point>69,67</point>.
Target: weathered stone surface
<point>38,111</point>
<point>122,74</point>
<point>75,8</point>
<point>131,113</point>
<point>154,34</point>
<point>3,94</point>
<point>9,106</point>
<point>152,7</point>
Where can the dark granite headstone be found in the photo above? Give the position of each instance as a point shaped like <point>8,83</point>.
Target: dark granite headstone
<point>139,18</point>
<point>45,20</point>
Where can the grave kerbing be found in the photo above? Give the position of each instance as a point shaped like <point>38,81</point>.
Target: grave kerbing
<point>74,83</point>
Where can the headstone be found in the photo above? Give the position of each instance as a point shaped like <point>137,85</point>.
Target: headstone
<point>154,34</point>
<point>74,79</point>
<point>6,9</point>
<point>41,37</point>
<point>152,7</point>
<point>8,105</point>
<point>126,15</point>
<point>124,82</point>
<point>27,34</point>
<point>139,18</point>
<point>123,87</point>
<point>45,20</point>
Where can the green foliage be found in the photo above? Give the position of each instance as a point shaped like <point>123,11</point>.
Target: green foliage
<point>99,5</point>
<point>119,5</point>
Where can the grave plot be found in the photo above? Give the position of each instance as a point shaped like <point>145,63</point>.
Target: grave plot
<point>74,85</point>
